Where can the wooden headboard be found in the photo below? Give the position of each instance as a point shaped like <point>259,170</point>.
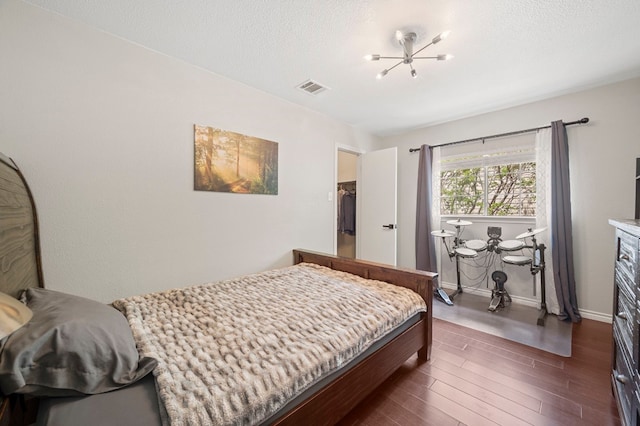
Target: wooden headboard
<point>20,265</point>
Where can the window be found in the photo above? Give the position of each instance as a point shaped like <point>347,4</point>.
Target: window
<point>500,190</point>
<point>489,179</point>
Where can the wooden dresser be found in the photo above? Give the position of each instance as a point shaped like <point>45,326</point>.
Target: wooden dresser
<point>625,371</point>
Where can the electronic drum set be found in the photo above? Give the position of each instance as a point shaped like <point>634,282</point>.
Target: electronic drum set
<point>469,249</point>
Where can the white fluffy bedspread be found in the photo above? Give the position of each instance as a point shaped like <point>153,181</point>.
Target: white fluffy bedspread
<point>235,351</point>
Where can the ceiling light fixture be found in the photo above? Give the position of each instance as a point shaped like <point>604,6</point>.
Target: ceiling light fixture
<point>407,41</point>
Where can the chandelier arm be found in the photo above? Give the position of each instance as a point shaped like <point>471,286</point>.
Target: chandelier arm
<point>420,50</point>
<point>389,69</point>
<point>425,57</point>
<point>391,57</point>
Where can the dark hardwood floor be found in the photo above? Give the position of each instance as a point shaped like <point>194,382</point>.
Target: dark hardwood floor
<point>475,378</point>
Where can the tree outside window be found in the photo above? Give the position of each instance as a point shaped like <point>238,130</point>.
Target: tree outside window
<point>497,190</point>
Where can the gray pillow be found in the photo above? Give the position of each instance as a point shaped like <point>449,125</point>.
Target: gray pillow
<point>71,346</point>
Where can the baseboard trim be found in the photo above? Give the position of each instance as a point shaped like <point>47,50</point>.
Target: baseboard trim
<point>596,316</point>
<point>585,313</point>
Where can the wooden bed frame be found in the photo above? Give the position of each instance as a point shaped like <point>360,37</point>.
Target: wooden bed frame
<point>334,401</point>
<point>21,268</point>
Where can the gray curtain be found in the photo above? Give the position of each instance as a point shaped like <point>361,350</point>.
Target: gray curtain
<point>561,233</point>
<point>425,246</point>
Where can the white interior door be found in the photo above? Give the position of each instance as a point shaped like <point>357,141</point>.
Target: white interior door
<point>377,194</point>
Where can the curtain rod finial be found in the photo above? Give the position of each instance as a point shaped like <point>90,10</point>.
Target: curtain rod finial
<point>584,120</point>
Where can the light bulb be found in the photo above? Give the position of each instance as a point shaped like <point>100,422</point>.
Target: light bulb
<point>382,74</point>
<point>440,37</point>
<point>444,57</point>
<point>414,74</point>
<point>373,57</point>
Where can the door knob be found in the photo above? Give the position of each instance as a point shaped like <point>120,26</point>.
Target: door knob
<point>389,226</point>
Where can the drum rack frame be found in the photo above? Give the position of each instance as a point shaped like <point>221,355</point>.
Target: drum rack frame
<point>535,269</point>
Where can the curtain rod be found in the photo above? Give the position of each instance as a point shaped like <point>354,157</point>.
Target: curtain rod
<point>517,132</point>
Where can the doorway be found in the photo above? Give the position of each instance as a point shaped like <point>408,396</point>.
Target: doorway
<point>346,193</point>
<point>373,179</point>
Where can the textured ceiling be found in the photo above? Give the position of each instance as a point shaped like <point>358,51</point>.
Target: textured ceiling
<point>507,52</point>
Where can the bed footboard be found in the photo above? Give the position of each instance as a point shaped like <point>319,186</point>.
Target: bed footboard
<point>334,401</point>
<point>419,281</point>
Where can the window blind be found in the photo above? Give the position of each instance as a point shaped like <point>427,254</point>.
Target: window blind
<point>508,150</point>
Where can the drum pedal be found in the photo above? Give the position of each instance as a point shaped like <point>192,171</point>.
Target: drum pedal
<point>499,296</point>
<point>500,299</point>
<point>442,296</point>
<point>495,303</point>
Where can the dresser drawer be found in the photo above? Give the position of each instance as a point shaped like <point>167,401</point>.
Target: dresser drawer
<point>626,261</point>
<point>624,318</point>
<point>624,382</point>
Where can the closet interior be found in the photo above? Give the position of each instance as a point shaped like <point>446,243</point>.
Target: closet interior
<point>346,204</point>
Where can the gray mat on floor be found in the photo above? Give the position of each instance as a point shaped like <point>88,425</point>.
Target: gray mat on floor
<point>514,322</point>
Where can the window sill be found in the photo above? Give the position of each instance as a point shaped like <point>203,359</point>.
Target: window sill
<point>491,219</point>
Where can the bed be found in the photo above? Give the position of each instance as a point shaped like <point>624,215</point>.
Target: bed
<point>318,397</point>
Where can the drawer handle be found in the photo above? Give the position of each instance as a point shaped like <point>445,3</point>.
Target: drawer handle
<point>622,379</point>
<point>623,257</point>
<point>623,315</point>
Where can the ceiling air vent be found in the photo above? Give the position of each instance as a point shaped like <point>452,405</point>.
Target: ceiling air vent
<point>312,87</point>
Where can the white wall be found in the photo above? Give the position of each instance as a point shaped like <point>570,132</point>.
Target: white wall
<point>602,165</point>
<point>103,131</point>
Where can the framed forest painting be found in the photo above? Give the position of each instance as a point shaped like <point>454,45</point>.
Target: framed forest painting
<point>232,162</point>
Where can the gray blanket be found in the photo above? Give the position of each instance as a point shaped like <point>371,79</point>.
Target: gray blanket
<point>235,351</point>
